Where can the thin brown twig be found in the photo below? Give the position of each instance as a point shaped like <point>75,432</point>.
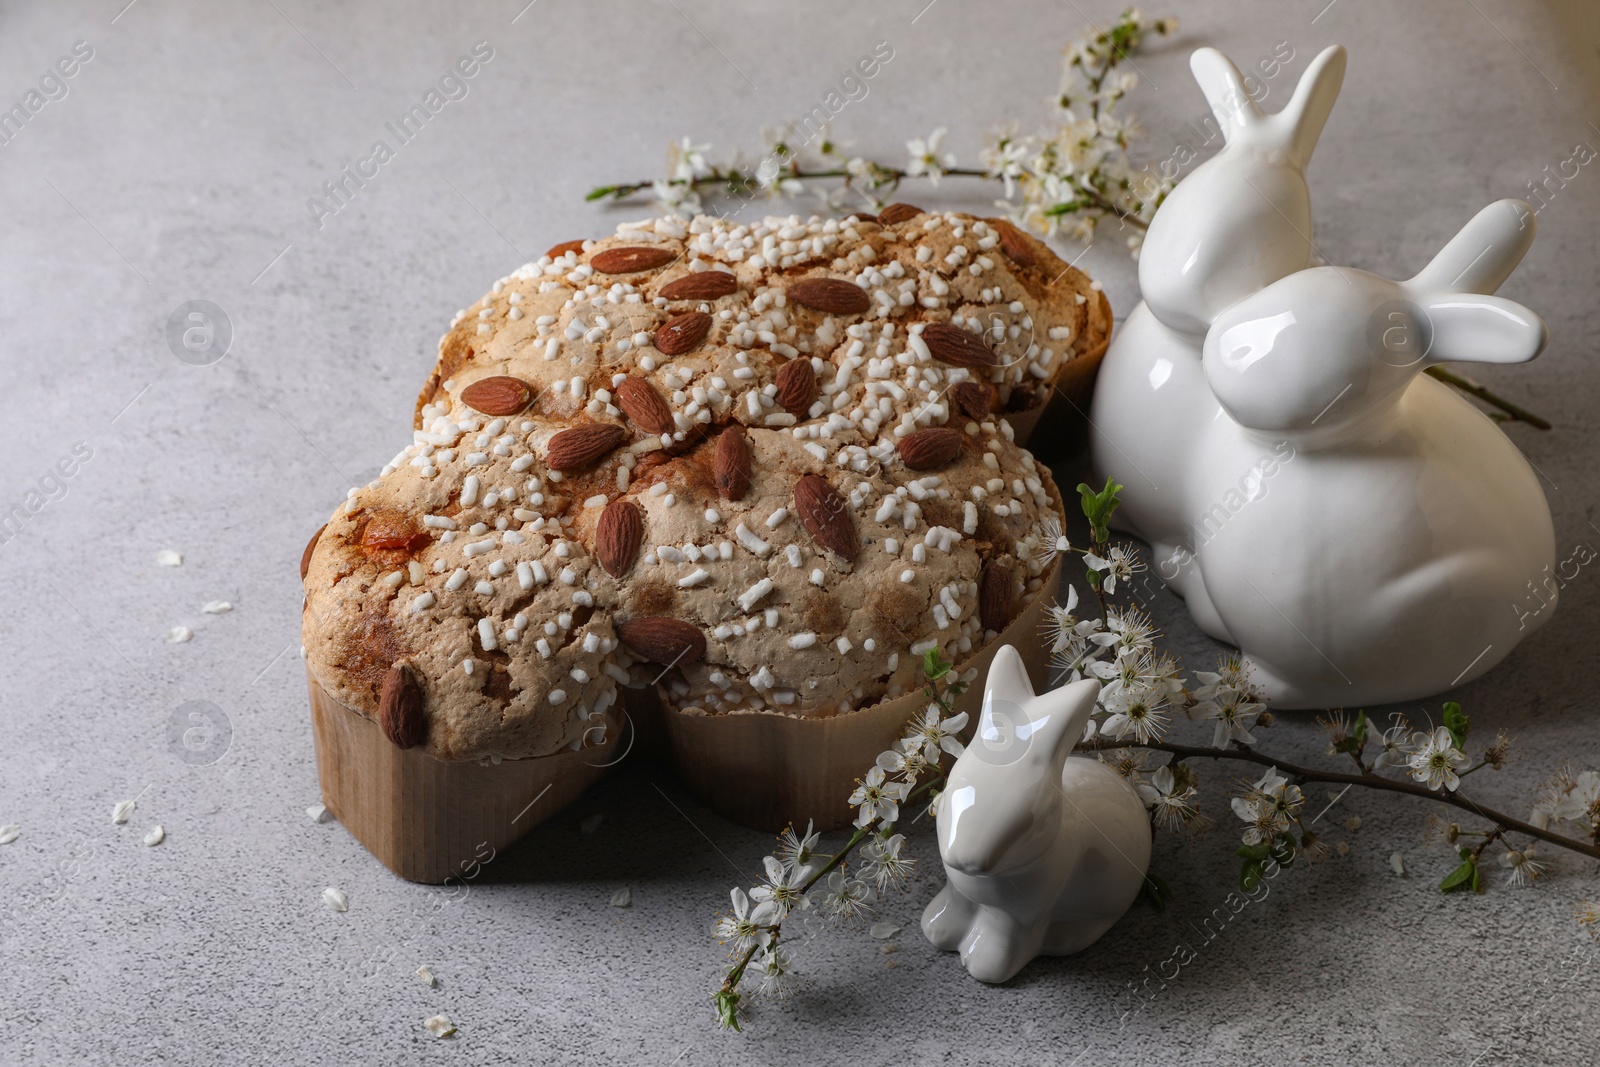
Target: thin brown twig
<point>1513,412</point>
<point>890,177</point>
<point>1367,779</point>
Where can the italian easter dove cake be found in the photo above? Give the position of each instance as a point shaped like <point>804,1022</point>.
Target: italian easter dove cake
<point>741,467</point>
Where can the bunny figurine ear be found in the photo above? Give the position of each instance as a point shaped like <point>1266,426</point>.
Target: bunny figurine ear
<point>1014,721</point>
<point>1006,689</point>
<point>1303,117</point>
<point>1463,322</point>
<point>1469,328</point>
<point>1070,709</point>
<point>1482,256</point>
<point>1225,91</point>
<point>1296,128</point>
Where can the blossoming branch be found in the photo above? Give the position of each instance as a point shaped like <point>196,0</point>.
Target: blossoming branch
<point>1068,178</point>
<point>1142,695</point>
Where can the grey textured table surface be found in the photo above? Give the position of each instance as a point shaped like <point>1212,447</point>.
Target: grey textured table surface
<point>178,167</point>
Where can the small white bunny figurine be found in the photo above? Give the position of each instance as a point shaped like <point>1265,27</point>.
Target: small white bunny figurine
<point>1241,221</point>
<point>1043,852</point>
<point>1386,556</point>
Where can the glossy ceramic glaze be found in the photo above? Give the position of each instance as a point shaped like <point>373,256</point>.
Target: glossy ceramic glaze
<point>1359,530</point>
<point>1387,553</point>
<point>1042,851</point>
<point>1239,222</point>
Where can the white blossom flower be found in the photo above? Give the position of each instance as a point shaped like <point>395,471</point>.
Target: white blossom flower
<point>878,798</point>
<point>797,851</point>
<point>1133,629</point>
<point>1436,759</point>
<point>1138,710</point>
<point>1577,802</point>
<point>1120,562</point>
<point>1052,541</point>
<point>1234,715</point>
<point>1169,805</point>
<point>688,160</point>
<point>782,889</point>
<point>1522,868</point>
<point>1270,782</point>
<point>1263,821</point>
<point>1130,763</point>
<point>1393,745</point>
<point>1268,807</point>
<point>676,198</point>
<point>746,926</point>
<point>1075,643</point>
<point>905,759</point>
<point>777,973</point>
<point>1227,697</point>
<point>845,897</point>
<point>1161,672</point>
<point>1230,674</point>
<point>926,158</point>
<point>933,734</point>
<point>885,864</point>
<point>1006,159</point>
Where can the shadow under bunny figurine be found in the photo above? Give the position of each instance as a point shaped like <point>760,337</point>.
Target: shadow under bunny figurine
<point>1043,851</point>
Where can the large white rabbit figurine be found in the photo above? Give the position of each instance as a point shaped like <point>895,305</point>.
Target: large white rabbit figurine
<point>1389,553</point>
<point>1241,221</point>
<point>1043,851</point>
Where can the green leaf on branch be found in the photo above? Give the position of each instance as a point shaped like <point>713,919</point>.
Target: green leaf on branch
<point>934,665</point>
<point>1358,732</point>
<point>1463,877</point>
<point>1155,891</point>
<point>1456,723</point>
<point>1066,207</point>
<point>1098,508</point>
<point>1250,875</point>
<point>728,1009</point>
<point>600,192</point>
<point>1254,868</point>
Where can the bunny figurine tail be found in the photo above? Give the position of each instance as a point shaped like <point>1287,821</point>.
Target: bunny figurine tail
<point>1042,851</point>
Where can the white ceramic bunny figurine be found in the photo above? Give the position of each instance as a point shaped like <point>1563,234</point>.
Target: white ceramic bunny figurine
<point>1241,221</point>
<point>1043,852</point>
<point>1391,531</point>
